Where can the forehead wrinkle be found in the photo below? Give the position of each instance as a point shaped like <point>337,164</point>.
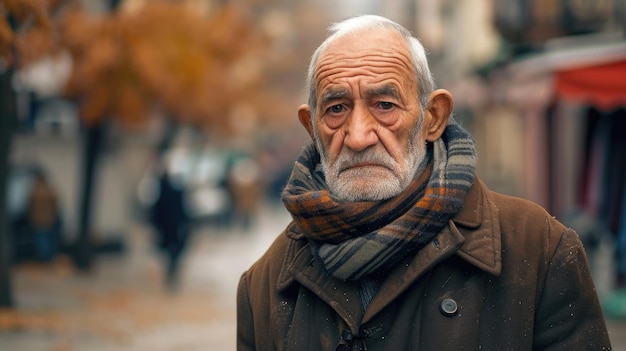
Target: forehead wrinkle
<point>333,67</point>
<point>344,49</point>
<point>331,63</point>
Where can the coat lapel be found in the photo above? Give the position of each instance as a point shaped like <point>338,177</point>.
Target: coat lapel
<point>445,244</point>
<point>342,296</point>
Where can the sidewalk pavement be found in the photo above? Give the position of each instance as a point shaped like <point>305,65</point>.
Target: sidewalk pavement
<point>122,303</point>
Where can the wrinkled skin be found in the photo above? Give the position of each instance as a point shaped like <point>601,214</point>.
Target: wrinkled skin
<point>367,122</point>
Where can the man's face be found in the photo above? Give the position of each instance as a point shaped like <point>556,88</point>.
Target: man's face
<point>367,119</point>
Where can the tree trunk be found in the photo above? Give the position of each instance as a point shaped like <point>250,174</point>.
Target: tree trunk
<point>7,126</point>
<point>83,254</point>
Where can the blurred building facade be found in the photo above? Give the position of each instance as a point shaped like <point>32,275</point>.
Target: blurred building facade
<point>547,42</point>
<point>552,123</point>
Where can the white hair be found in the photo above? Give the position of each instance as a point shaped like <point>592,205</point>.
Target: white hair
<point>423,76</point>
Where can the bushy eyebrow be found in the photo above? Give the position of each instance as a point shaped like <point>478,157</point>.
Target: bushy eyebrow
<point>332,95</point>
<point>385,90</point>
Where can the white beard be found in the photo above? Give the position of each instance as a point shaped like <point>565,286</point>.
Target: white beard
<point>372,183</point>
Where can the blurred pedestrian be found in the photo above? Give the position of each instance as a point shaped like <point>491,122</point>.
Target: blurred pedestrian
<point>395,244</point>
<point>43,217</point>
<point>171,222</point>
<point>245,188</point>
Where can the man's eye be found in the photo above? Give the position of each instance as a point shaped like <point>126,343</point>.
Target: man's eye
<point>336,108</point>
<point>385,105</point>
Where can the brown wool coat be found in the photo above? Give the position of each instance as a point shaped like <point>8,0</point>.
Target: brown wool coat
<point>504,275</point>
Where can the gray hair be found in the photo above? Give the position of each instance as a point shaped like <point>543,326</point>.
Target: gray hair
<point>424,78</point>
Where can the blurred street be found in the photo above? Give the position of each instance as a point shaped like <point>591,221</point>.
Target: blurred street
<point>122,304</point>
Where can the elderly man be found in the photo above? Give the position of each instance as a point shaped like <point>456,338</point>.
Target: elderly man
<point>395,244</point>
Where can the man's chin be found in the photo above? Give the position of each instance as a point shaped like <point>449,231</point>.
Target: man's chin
<point>374,172</point>
<point>366,188</point>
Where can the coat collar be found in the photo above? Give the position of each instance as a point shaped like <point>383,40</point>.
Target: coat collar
<point>479,224</point>
<point>473,234</point>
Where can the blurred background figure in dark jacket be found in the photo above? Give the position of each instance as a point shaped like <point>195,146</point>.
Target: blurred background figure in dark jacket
<point>171,222</point>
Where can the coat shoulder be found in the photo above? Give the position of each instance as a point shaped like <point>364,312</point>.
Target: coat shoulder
<point>272,264</point>
<point>508,204</point>
<point>526,223</point>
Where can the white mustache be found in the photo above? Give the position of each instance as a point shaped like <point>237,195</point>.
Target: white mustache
<point>348,159</point>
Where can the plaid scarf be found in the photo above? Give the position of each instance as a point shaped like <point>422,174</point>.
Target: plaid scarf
<point>355,239</point>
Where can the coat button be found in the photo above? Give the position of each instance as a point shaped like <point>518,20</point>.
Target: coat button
<point>449,307</point>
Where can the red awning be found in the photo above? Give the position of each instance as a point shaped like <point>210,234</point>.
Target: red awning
<point>601,85</point>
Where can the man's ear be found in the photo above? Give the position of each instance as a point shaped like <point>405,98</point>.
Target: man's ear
<point>304,115</point>
<point>440,105</point>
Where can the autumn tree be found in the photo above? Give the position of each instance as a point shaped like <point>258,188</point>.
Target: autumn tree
<point>193,65</point>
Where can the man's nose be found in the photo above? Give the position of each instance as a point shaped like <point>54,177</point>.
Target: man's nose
<point>360,129</point>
